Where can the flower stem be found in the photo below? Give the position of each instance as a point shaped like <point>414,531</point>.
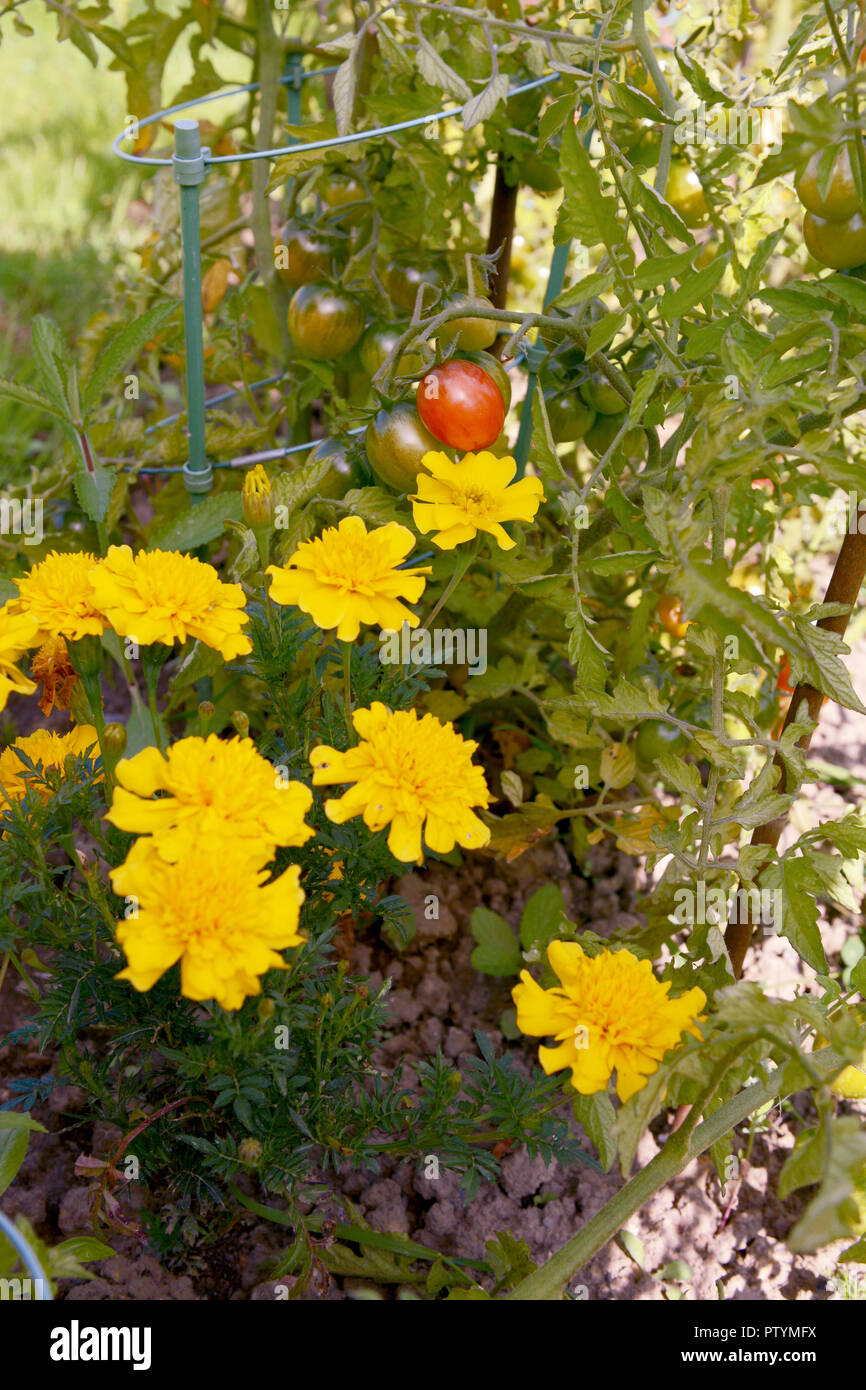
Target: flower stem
<point>549,1281</point>
<point>347,687</point>
<point>152,660</point>
<point>93,691</point>
<point>455,579</point>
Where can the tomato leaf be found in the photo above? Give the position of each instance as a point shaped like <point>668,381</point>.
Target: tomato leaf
<point>586,214</point>
<point>481,107</point>
<point>696,288</point>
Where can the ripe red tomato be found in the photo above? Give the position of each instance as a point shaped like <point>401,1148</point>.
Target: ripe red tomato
<point>461,405</point>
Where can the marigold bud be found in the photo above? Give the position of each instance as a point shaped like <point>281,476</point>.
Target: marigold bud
<point>207,709</point>
<point>249,1151</point>
<point>241,723</point>
<point>267,1009</point>
<point>258,501</point>
<point>113,740</point>
<point>86,655</point>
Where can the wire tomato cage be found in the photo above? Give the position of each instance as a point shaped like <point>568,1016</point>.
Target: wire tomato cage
<point>190,163</point>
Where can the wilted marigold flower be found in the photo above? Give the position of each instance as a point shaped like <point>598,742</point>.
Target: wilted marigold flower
<point>348,576</point>
<point>257,497</point>
<point>58,594</point>
<point>17,634</point>
<point>476,494</point>
<point>215,787</point>
<point>165,596</point>
<point>610,1014</point>
<point>52,668</point>
<point>45,748</point>
<point>213,911</point>
<point>414,774</point>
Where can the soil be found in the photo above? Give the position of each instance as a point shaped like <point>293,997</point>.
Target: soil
<point>733,1242</point>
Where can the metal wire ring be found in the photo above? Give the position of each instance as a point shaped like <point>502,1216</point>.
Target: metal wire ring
<point>334,142</point>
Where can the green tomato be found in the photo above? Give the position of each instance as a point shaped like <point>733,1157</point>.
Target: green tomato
<point>604,430</point>
<point>685,194</point>
<point>841,201</point>
<point>396,442</point>
<point>302,254</point>
<point>376,345</point>
<point>339,190</point>
<point>470,334</point>
<point>324,323</point>
<point>570,418</point>
<point>340,478</point>
<point>540,175</point>
<point>600,396</point>
<point>404,276</point>
<point>840,245</point>
<point>655,738</point>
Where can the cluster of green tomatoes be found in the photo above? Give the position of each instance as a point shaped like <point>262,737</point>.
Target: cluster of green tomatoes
<point>833,229</point>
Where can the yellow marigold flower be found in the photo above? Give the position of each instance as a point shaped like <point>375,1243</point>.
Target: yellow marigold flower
<point>348,576</point>
<point>17,633</point>
<point>215,787</point>
<point>52,668</point>
<point>213,911</point>
<point>165,596</point>
<point>58,594</point>
<point>610,1014</point>
<point>45,748</point>
<point>414,774</point>
<point>258,502</point>
<point>476,494</point>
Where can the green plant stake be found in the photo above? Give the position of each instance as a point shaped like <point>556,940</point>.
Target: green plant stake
<point>189,163</point>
